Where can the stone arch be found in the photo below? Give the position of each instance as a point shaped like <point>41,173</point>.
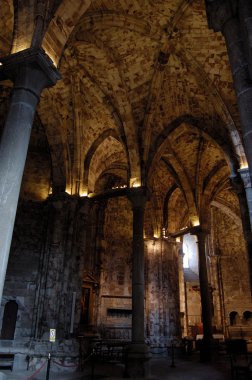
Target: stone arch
<point>215,97</point>
<point>233,318</point>
<point>165,207</point>
<point>7,27</point>
<point>24,25</point>
<point>247,317</point>
<point>198,123</point>
<point>161,144</point>
<point>61,26</point>
<point>127,123</point>
<point>228,211</point>
<point>90,154</point>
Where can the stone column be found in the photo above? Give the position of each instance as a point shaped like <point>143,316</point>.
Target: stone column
<point>245,8</point>
<point>244,173</point>
<point>206,306</point>
<point>204,286</point>
<point>182,296</point>
<point>225,16</point>
<point>31,71</point>
<point>242,187</point>
<point>138,352</point>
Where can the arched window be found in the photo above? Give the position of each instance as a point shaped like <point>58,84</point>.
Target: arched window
<point>247,315</point>
<point>233,318</point>
<point>190,251</point>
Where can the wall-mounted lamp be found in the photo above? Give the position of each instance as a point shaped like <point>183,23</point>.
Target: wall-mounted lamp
<point>195,221</point>
<point>135,182</point>
<point>84,194</point>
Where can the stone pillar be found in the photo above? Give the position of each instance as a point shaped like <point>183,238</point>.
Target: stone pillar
<point>182,296</point>
<point>206,305</point>
<point>204,286</point>
<point>227,16</point>
<point>138,351</point>
<point>244,173</point>
<point>242,187</point>
<point>218,299</point>
<point>245,7</point>
<point>31,71</point>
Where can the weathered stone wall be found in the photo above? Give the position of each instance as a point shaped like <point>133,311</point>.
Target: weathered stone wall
<point>22,273</point>
<point>60,268</point>
<point>57,242</point>
<point>115,282</point>
<point>162,291</point>
<point>232,266</point>
<point>161,280</point>
<point>43,270</point>
<point>43,277</point>
<point>89,246</point>
<point>193,308</point>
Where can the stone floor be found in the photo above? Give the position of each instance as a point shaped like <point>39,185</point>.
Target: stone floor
<point>186,368</point>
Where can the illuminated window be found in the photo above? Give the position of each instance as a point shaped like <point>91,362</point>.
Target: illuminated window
<point>190,251</point>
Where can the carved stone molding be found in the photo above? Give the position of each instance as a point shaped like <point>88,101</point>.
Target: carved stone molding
<point>34,57</point>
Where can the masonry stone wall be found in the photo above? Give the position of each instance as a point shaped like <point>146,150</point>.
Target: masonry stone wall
<point>58,242</point>
<point>43,278</point>
<point>22,272</point>
<point>43,268</point>
<point>232,266</point>
<point>161,280</point>
<point>162,292</point>
<point>114,318</point>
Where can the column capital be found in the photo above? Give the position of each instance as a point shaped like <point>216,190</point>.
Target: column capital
<point>32,60</point>
<point>138,196</point>
<point>199,231</point>
<point>237,184</point>
<point>61,198</point>
<point>219,12</point>
<point>245,176</point>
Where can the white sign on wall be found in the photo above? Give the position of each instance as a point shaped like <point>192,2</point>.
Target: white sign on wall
<point>52,335</point>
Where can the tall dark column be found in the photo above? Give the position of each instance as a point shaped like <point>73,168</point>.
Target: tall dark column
<point>204,286</point>
<point>31,71</point>
<point>228,16</point>
<point>245,11</point>
<point>138,352</point>
<point>242,187</point>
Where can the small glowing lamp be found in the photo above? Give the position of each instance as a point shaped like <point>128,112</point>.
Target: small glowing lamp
<point>135,182</point>
<point>195,221</point>
<point>84,193</point>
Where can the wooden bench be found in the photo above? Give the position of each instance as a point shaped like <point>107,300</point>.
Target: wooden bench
<point>6,361</point>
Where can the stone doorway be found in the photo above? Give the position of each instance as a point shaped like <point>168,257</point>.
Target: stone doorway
<point>9,320</point>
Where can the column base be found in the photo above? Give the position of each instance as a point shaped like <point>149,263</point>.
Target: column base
<point>208,350</point>
<point>137,361</point>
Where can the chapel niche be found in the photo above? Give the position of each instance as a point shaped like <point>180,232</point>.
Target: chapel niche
<point>88,301</point>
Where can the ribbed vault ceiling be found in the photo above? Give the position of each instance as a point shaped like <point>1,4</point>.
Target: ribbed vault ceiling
<point>146,96</point>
